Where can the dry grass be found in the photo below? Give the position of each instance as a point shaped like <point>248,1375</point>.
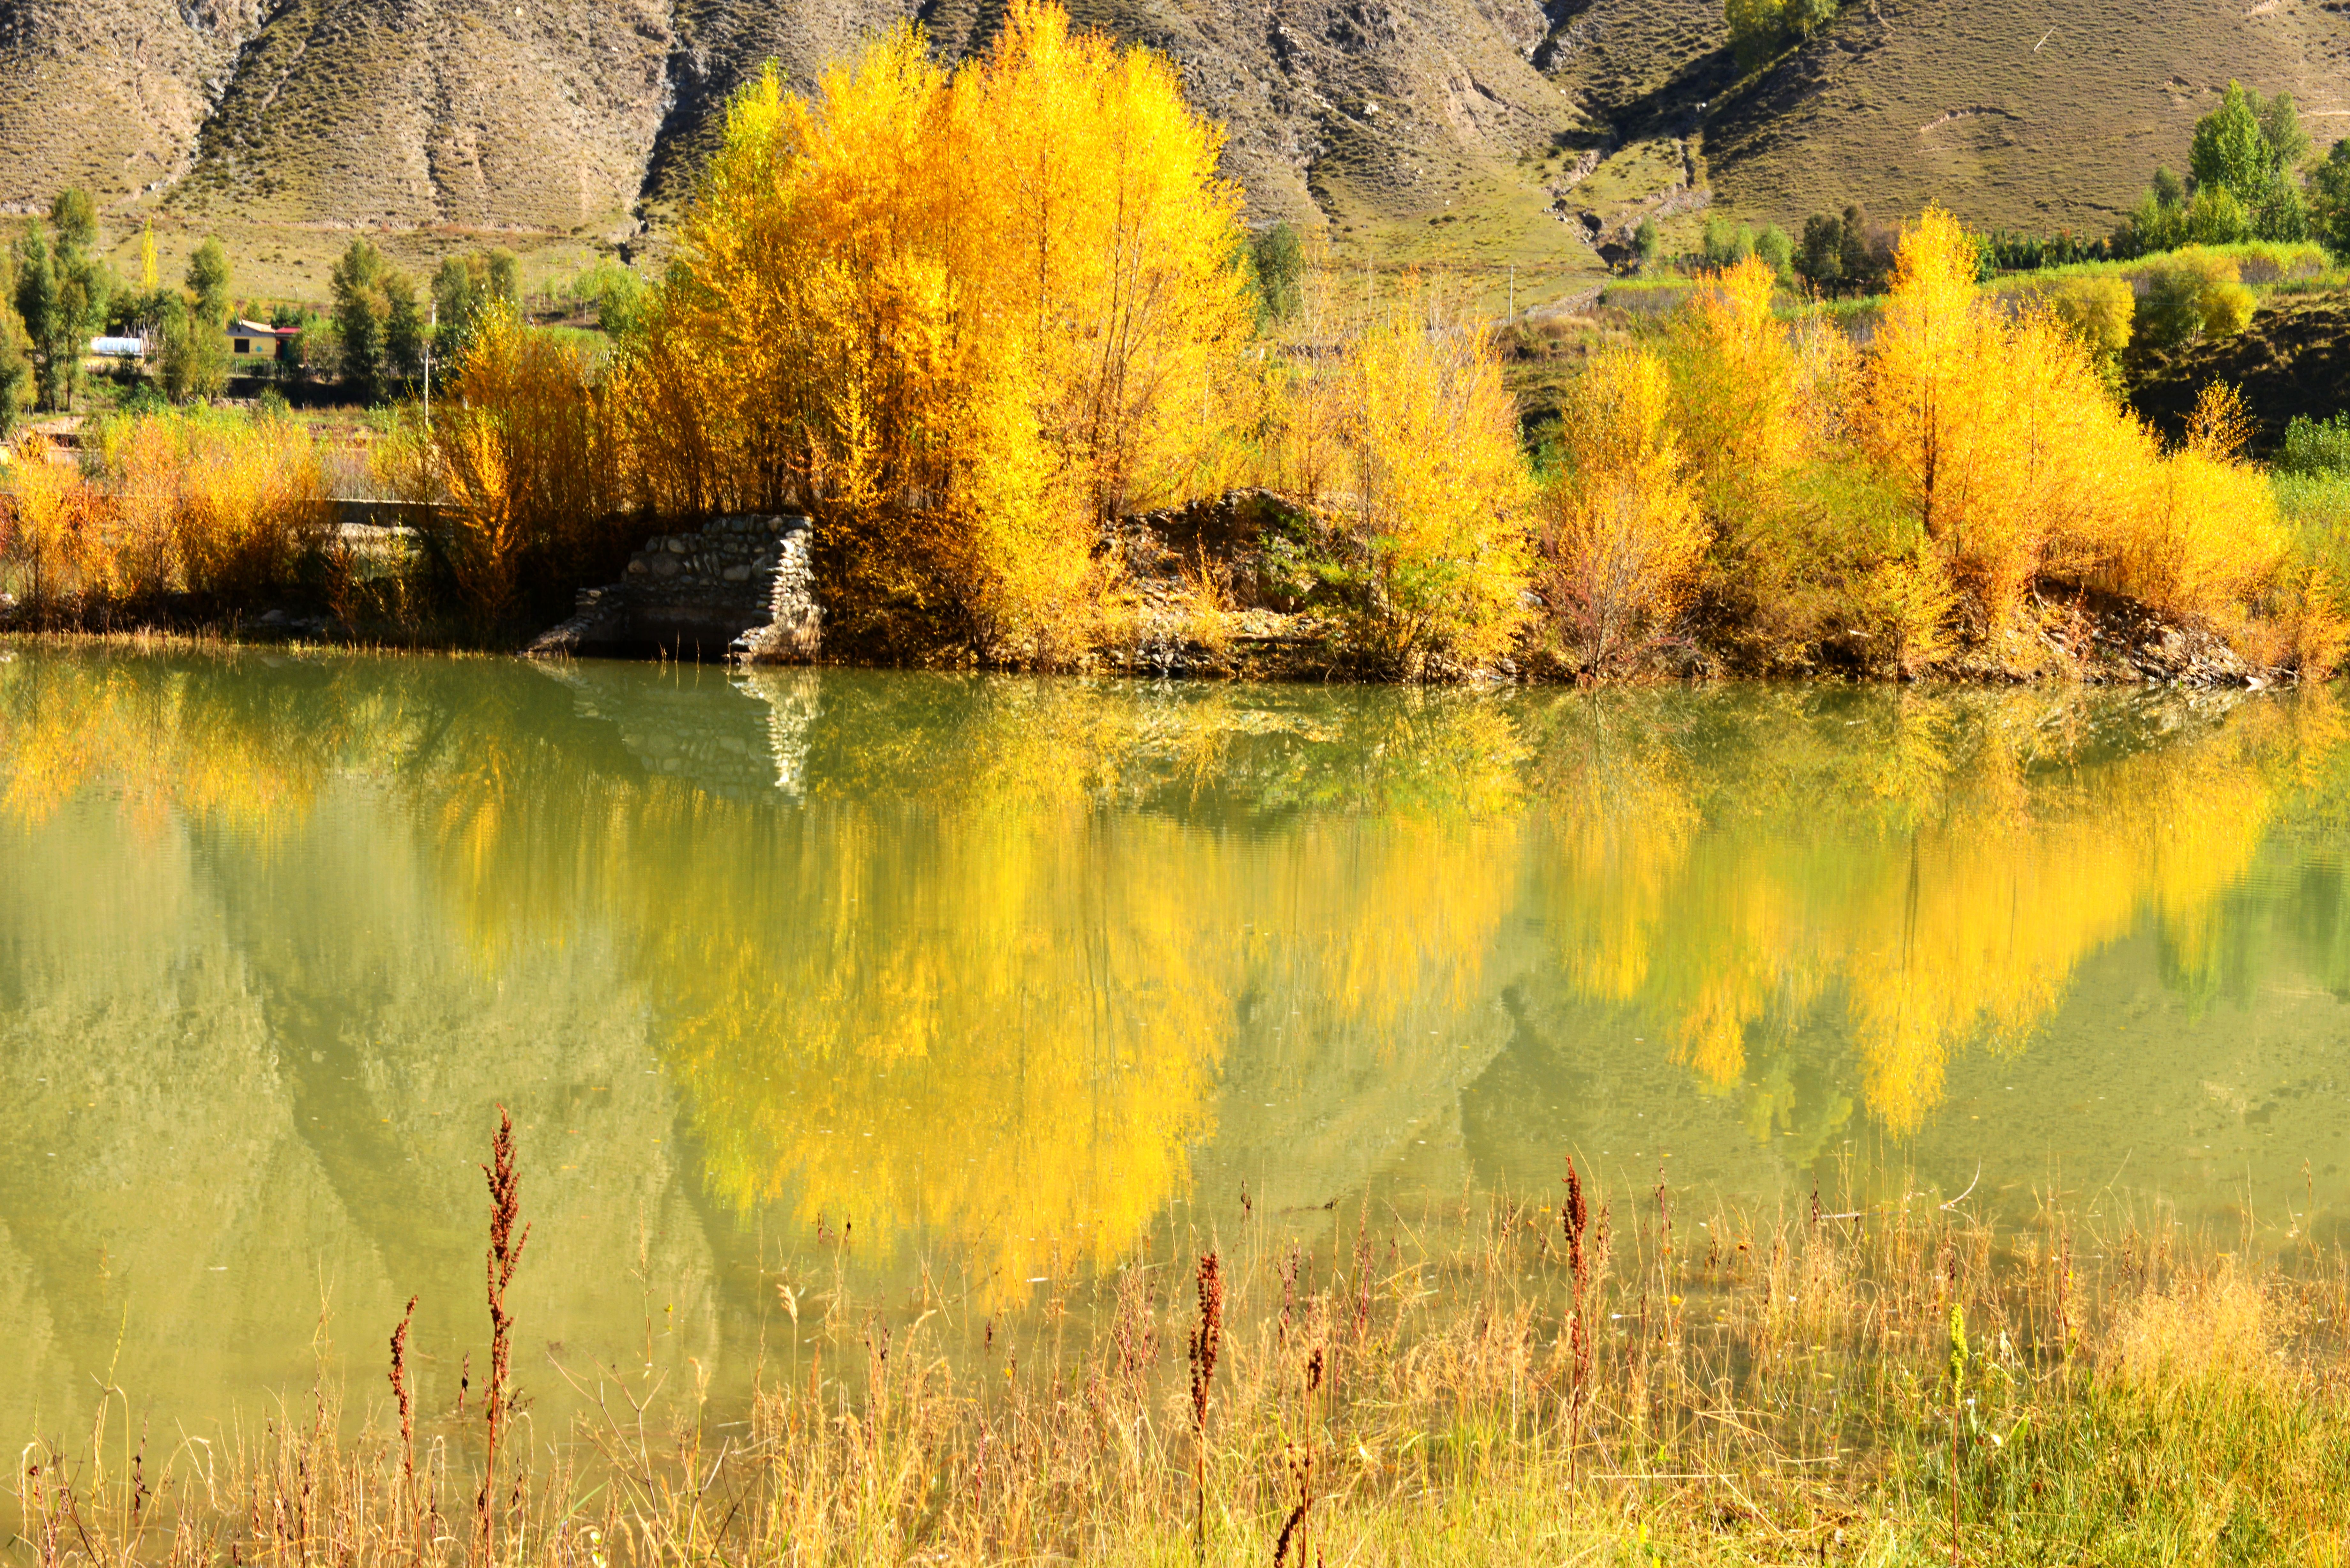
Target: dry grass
<point>1491,1381</point>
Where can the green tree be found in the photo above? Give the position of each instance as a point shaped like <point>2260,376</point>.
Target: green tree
<point>377,319</point>
<point>464,290</point>
<point>1760,29</point>
<point>2229,152</point>
<point>1648,245</point>
<point>1773,246</point>
<point>1819,259</point>
<point>208,283</point>
<point>1277,258</point>
<point>2217,218</point>
<point>1867,254</point>
<point>16,364</point>
<point>2329,200</point>
<point>191,359</point>
<point>60,295</point>
<point>1727,245</point>
<point>74,216</point>
<point>506,277</point>
<point>2281,127</point>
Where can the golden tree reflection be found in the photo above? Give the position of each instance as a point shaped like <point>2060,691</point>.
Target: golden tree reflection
<point>982,967</point>
<point>1935,878</point>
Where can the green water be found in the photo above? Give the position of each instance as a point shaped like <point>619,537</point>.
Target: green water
<point>1007,977</point>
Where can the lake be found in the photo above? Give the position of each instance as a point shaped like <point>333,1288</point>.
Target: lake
<point>808,976</point>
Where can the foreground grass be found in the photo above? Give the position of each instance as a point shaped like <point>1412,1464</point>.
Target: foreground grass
<point>1901,1383</point>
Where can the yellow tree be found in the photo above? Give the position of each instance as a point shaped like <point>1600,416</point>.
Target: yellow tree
<point>1432,490</point>
<point>962,318</point>
<point>1621,533</point>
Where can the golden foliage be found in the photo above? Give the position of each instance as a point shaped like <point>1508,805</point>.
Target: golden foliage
<point>960,318</point>
<point>2098,310</point>
<point>1741,387</point>
<point>529,472</point>
<point>1621,533</point>
<point>1429,490</point>
<point>193,502</point>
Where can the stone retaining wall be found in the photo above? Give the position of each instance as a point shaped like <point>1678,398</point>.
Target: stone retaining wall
<point>740,588</point>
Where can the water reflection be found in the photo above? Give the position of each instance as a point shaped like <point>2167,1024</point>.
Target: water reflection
<point>996,976</point>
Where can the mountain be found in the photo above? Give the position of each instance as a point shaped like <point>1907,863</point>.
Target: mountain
<point>2031,114</point>
<point>1493,132</point>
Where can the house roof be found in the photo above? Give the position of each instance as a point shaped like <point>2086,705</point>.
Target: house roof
<point>243,328</point>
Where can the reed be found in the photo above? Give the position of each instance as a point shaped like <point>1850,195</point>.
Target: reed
<point>505,1176</point>
<point>1899,1381</point>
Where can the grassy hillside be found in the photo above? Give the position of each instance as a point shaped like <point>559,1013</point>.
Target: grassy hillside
<point>107,94</point>
<point>2033,114</point>
<point>1480,136</point>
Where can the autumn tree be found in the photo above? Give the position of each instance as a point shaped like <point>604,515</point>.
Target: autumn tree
<point>1620,530</point>
<point>961,318</point>
<point>1430,493</point>
<point>529,467</point>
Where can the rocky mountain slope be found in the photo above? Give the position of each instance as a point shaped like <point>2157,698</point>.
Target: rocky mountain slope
<point>1417,129</point>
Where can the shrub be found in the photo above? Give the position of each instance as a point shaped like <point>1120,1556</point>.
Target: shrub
<point>247,500</point>
<point>2098,310</point>
<point>1648,245</point>
<point>2202,536</point>
<point>53,537</point>
<point>1620,532</point>
<point>1430,495</point>
<point>1727,245</point>
<point>1736,385</point>
<point>1277,266</point>
<point>528,473</point>
<point>2315,446</point>
<point>2194,294</point>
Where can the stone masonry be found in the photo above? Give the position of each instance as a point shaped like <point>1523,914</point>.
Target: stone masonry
<point>740,588</point>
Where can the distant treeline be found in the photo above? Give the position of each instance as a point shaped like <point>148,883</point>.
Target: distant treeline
<point>376,341</point>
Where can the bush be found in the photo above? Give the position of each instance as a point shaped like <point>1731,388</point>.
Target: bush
<point>528,473</point>
<point>2315,446</point>
<point>1727,245</point>
<point>1277,268</point>
<point>1620,532</point>
<point>1426,493</point>
<point>2193,295</point>
<point>1648,245</point>
<point>2099,310</point>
